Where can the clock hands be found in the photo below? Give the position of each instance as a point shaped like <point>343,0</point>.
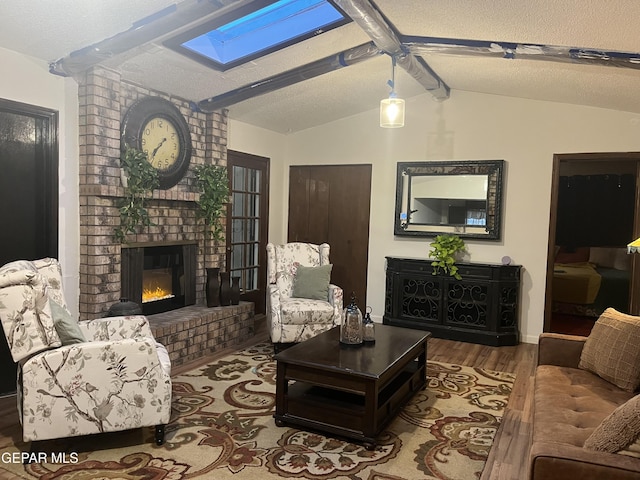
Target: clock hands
<point>155,150</point>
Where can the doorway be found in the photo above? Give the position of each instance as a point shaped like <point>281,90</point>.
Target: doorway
<point>29,185</point>
<point>248,224</point>
<point>594,215</point>
<point>331,204</point>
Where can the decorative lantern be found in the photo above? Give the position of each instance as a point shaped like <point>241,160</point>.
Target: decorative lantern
<point>369,328</point>
<point>351,330</point>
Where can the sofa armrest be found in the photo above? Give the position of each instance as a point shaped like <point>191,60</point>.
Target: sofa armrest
<point>549,461</point>
<point>560,350</point>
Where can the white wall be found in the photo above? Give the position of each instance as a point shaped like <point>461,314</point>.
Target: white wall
<point>27,80</point>
<point>468,126</point>
<point>265,143</point>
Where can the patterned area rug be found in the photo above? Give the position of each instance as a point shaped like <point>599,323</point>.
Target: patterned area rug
<point>222,428</point>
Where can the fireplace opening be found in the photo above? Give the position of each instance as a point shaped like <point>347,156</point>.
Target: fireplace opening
<point>160,277</point>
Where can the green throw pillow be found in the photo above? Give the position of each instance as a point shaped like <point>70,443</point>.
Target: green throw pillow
<point>67,328</point>
<point>312,282</point>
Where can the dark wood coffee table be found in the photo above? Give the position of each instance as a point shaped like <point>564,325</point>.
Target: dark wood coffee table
<point>350,391</point>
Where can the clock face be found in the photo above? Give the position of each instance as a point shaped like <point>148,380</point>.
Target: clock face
<point>161,142</point>
<point>156,126</point>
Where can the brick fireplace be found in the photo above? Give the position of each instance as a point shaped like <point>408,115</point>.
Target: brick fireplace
<point>104,98</point>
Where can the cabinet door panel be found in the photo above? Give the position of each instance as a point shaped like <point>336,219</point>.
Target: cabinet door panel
<point>421,298</point>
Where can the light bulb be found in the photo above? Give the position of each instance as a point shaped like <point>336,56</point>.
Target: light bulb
<point>392,112</point>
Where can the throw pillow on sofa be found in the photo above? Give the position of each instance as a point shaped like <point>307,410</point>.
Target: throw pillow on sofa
<point>619,430</point>
<point>612,350</point>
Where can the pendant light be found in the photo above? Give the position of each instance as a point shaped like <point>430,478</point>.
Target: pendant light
<point>392,108</point>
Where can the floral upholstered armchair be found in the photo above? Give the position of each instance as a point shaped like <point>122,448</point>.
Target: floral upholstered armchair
<point>79,378</point>
<point>301,302</point>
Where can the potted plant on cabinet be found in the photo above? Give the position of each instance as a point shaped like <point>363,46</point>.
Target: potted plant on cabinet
<point>213,184</point>
<point>139,180</point>
<point>444,250</point>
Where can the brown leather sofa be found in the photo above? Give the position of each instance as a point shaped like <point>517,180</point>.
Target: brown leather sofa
<point>569,403</point>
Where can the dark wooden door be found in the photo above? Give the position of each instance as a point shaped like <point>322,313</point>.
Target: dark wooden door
<point>331,203</point>
<point>28,194</point>
<point>248,224</point>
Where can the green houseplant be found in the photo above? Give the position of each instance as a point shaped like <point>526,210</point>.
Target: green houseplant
<point>213,184</point>
<point>444,249</point>
<point>141,180</point>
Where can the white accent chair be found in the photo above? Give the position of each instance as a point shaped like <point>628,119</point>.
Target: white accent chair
<point>291,319</point>
<point>79,378</point>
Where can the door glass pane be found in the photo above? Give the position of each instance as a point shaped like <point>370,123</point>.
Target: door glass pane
<point>251,279</point>
<point>254,205</point>
<point>237,231</point>
<point>237,258</point>
<point>238,178</point>
<point>254,180</point>
<point>238,204</point>
<point>252,233</point>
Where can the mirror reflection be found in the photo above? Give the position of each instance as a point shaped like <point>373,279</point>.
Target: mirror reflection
<point>449,197</point>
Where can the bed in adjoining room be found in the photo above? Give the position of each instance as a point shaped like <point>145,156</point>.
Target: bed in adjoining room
<point>587,280</point>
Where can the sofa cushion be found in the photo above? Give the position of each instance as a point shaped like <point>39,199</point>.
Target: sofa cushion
<point>570,403</point>
<point>619,430</point>
<point>612,350</point>
<point>312,282</point>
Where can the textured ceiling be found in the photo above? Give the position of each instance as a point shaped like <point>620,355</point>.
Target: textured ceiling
<point>52,30</point>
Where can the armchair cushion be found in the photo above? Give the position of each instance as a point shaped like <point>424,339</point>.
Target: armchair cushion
<point>67,328</point>
<point>302,311</point>
<point>612,349</point>
<point>312,282</point>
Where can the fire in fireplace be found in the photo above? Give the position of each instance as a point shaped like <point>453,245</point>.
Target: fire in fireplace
<point>159,277</point>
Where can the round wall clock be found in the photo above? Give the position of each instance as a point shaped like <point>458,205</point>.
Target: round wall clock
<point>156,126</point>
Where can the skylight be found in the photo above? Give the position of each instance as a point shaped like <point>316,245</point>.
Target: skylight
<point>258,32</point>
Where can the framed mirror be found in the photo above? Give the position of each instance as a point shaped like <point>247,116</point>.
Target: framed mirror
<point>458,197</point>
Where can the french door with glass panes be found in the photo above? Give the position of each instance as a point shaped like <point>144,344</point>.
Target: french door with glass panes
<point>247,224</point>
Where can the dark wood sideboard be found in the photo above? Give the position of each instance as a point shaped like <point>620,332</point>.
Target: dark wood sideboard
<point>482,307</point>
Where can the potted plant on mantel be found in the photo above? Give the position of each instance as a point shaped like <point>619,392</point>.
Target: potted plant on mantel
<point>213,183</point>
<point>139,181</point>
<point>444,249</point>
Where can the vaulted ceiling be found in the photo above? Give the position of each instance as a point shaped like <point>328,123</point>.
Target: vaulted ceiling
<point>579,51</point>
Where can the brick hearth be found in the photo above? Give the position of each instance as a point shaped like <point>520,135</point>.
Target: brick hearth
<point>194,331</point>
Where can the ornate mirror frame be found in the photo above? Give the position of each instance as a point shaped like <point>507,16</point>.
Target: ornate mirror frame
<point>462,185</point>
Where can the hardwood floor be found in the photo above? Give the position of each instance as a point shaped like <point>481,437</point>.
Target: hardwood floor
<point>509,454</point>
<point>508,457</point>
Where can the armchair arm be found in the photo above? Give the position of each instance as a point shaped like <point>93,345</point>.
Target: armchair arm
<point>274,314</point>
<point>116,328</point>
<point>94,387</point>
<point>559,349</point>
<point>336,300</point>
